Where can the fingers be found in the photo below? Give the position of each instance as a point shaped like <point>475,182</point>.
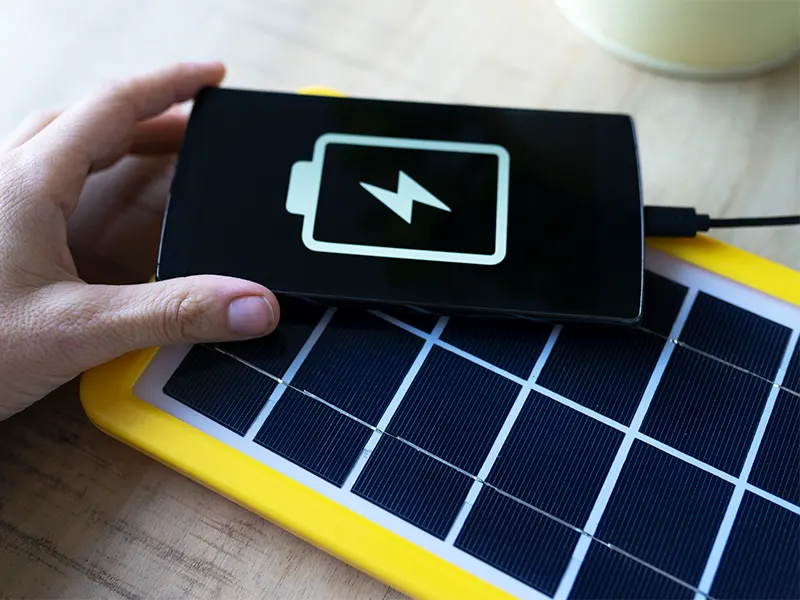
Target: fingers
<point>115,229</point>
<point>162,134</point>
<point>115,320</point>
<point>29,127</point>
<point>99,130</point>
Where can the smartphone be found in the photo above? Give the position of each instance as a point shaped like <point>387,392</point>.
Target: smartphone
<point>441,208</point>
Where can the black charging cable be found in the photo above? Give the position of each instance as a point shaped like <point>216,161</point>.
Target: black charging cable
<point>675,221</point>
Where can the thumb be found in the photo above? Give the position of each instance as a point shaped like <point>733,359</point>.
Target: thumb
<point>115,320</point>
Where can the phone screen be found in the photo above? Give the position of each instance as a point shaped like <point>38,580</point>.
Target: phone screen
<point>449,208</point>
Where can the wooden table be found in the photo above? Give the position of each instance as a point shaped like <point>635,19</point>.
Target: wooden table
<point>82,516</point>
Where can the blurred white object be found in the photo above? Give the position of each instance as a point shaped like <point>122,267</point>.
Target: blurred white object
<point>702,38</point>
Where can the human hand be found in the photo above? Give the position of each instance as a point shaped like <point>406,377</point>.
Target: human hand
<point>80,192</point>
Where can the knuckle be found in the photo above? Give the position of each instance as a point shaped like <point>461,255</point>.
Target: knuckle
<point>184,316</point>
<point>119,89</point>
<point>123,95</point>
<point>41,115</point>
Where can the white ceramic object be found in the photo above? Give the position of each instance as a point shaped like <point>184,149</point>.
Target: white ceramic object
<point>692,38</point>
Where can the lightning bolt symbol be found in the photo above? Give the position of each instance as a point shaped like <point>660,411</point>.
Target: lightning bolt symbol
<point>402,201</point>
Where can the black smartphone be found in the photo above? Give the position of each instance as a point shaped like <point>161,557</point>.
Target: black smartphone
<point>449,209</point>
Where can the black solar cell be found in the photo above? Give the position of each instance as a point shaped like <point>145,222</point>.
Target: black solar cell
<point>454,409</point>
<point>661,303</point>
<point>518,540</point>
<point>777,465</point>
<point>556,459</point>
<point>735,335</point>
<point>358,363</point>
<point>511,344</point>
<point>707,409</point>
<point>220,387</point>
<point>665,511</point>
<point>604,369</point>
<point>410,484</point>
<point>610,575</point>
<point>762,557</point>
<point>314,436</point>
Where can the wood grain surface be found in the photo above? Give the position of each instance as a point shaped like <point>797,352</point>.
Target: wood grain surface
<point>81,515</point>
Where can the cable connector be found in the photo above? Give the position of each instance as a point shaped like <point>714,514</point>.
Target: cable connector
<point>678,221</point>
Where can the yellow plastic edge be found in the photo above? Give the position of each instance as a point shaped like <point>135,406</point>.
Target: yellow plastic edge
<point>751,270</point>
<point>107,397</point>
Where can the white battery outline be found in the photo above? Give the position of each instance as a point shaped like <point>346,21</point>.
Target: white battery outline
<point>304,184</point>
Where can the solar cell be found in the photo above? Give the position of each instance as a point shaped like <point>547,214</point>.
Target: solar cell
<point>556,459</point>
<point>762,555</point>
<point>735,335</point>
<point>604,369</point>
<point>413,485</point>
<point>518,540</point>
<point>358,363</point>
<point>314,436</point>
<point>220,387</point>
<point>706,409</point>
<point>454,409</point>
<point>665,512</point>
<point>607,574</point>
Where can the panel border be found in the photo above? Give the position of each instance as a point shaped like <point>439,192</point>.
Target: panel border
<point>108,400</point>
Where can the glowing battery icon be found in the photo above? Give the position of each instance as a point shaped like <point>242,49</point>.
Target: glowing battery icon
<point>403,198</point>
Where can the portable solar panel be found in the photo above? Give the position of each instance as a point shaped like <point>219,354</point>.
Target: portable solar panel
<point>463,458</point>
